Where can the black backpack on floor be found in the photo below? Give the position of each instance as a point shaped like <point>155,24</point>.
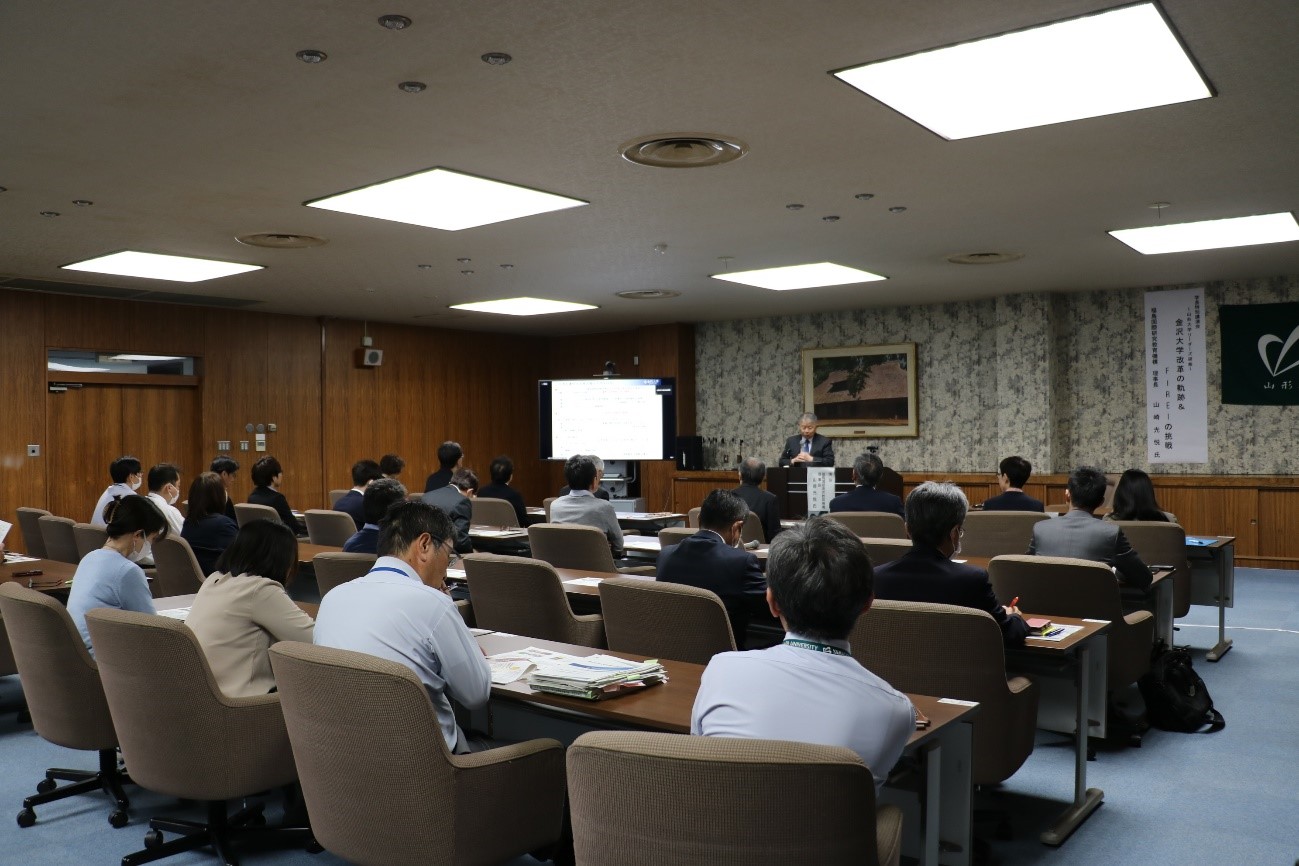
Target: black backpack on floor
<point>1176,698</point>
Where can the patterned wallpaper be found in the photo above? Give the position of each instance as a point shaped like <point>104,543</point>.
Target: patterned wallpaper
<point>1057,378</point>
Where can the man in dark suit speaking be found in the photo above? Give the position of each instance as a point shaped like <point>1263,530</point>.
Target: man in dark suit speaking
<point>709,560</point>
<point>935,514</point>
<point>808,448</point>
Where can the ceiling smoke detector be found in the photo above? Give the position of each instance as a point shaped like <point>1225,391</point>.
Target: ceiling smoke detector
<point>648,294</point>
<point>281,240</point>
<point>984,258</point>
<point>682,151</point>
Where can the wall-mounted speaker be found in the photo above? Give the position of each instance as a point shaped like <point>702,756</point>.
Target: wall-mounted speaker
<point>369,357</point>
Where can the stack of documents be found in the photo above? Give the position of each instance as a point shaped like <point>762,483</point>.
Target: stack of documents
<point>591,678</point>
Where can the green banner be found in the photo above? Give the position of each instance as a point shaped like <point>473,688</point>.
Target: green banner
<point>1260,354</point>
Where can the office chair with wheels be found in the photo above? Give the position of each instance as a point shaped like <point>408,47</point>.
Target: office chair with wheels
<point>183,737</point>
<point>64,697</point>
<point>882,550</point>
<point>526,596</point>
<point>711,798</point>
<point>670,535</point>
<point>60,541</point>
<point>246,512</point>
<point>333,569</point>
<point>379,782</point>
<point>487,511</point>
<point>330,528</point>
<point>176,569</point>
<point>28,522</point>
<point>998,533</point>
<point>88,538</point>
<point>664,620</point>
<point>335,495</point>
<point>572,545</point>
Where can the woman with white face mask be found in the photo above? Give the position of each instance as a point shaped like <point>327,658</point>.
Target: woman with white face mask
<point>109,577</point>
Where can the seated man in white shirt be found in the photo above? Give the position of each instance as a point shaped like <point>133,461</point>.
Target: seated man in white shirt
<point>810,689</point>
<point>164,490</point>
<point>127,478</point>
<point>401,611</point>
<point>582,506</point>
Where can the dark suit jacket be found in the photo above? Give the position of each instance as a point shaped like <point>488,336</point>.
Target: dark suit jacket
<point>275,499</point>
<point>353,505</point>
<point>924,574</point>
<point>366,540</point>
<point>600,493</point>
<point>822,450</point>
<point>705,561</point>
<point>762,503</point>
<point>230,510</point>
<point>510,495</point>
<point>1083,536</point>
<point>862,498</point>
<point>1013,500</point>
<point>441,478</point>
<point>459,509</point>
<point>209,538</point>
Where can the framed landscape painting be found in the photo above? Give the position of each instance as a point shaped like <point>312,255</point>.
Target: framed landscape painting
<point>862,391</point>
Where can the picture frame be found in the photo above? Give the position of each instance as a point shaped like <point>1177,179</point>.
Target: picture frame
<point>862,391</point>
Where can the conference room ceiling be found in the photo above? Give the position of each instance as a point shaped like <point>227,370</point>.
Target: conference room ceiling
<point>190,123</point>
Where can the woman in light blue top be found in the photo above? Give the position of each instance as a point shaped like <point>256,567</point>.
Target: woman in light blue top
<point>109,577</point>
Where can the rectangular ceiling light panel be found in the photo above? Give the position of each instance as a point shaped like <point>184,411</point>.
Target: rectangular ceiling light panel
<point>1211,234</point>
<point>811,276</point>
<point>156,266</point>
<point>443,199</point>
<point>522,307</point>
<point>1120,60</point>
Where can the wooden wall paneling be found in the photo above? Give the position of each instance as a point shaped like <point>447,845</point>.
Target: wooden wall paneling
<point>237,384</point>
<point>667,350</point>
<point>99,323</point>
<point>1278,517</point>
<point>293,403</point>
<point>1207,506</point>
<point>164,425</point>
<point>85,436</point>
<point>22,358</point>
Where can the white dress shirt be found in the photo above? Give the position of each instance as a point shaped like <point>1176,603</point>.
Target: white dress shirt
<point>175,520</point>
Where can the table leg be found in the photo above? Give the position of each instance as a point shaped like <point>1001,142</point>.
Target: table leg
<point>930,805</point>
<point>1085,800</point>
<point>1225,559</point>
<point>1164,611</point>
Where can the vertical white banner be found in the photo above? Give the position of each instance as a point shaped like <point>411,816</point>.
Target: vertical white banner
<point>1177,399</point>
<point>820,489</point>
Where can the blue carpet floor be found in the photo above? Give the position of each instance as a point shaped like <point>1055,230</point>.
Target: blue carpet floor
<point>1179,800</point>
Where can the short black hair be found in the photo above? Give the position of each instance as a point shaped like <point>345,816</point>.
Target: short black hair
<point>378,496</point>
<point>223,463</point>
<point>262,548</point>
<point>752,471</point>
<point>579,472</point>
<point>265,470</point>
<point>406,521</point>
<point>449,453</point>
<point>720,509</point>
<point>933,510</point>
<point>501,470</point>
<point>207,495</point>
<point>1086,487</point>
<point>127,515</point>
<point>465,479</point>
<point>391,465</point>
<point>869,468</point>
<point>821,578</point>
<point>365,471</point>
<point>1016,469</point>
<point>162,475</point>
<point>123,468</point>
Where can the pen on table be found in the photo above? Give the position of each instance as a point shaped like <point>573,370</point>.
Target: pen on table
<point>1014,602</point>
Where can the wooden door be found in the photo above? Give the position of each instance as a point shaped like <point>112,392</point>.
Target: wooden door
<point>90,427</point>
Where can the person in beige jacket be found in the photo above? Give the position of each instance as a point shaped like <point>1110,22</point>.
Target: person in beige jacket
<point>244,607</point>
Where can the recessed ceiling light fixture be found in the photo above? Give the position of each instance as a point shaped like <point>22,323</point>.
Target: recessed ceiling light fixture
<point>394,22</point>
<point>682,151</point>
<point>811,276</point>
<point>412,87</point>
<point>496,58</point>
<point>281,240</point>
<point>648,294</point>
<point>311,55</point>
<point>157,266</point>
<point>1113,61</point>
<point>1210,234</point>
<point>522,307</point>
<point>443,199</point>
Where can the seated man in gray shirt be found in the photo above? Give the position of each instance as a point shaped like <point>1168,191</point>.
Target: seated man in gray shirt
<point>1080,534</point>
<point>401,611</point>
<point>809,689</point>
<point>581,505</point>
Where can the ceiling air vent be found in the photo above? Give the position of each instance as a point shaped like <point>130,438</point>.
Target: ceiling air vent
<point>648,294</point>
<point>682,151</point>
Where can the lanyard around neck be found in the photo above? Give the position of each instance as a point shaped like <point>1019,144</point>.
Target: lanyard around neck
<point>815,647</point>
